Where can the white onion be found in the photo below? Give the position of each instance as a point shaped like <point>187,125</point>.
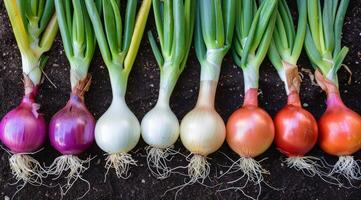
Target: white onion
<point>118,130</point>
<point>160,127</point>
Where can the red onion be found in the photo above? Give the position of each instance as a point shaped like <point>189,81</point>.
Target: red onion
<point>296,128</point>
<point>71,130</point>
<point>23,129</point>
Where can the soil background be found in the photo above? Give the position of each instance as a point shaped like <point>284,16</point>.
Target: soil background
<point>141,97</point>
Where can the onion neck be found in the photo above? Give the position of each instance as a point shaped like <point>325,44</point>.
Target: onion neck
<point>210,71</point>
<point>251,77</point>
<point>118,81</point>
<point>30,90</point>
<point>251,98</point>
<point>334,100</point>
<point>81,87</point>
<point>331,88</point>
<point>78,72</point>
<point>168,79</point>
<point>290,76</point>
<point>207,94</point>
<point>76,99</point>
<point>294,99</point>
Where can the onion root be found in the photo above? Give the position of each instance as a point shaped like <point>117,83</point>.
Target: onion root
<point>157,159</point>
<point>347,167</point>
<point>198,168</point>
<point>75,166</point>
<point>120,162</point>
<point>307,164</point>
<point>25,168</point>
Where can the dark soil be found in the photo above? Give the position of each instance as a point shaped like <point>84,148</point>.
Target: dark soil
<point>141,96</point>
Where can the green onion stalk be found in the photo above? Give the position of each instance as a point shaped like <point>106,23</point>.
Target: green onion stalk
<point>118,131</point>
<point>74,124</point>
<point>250,130</point>
<point>339,126</point>
<point>160,126</point>
<point>202,130</point>
<point>296,128</point>
<point>23,129</point>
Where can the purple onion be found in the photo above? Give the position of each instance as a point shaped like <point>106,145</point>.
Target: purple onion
<point>23,129</point>
<point>71,130</point>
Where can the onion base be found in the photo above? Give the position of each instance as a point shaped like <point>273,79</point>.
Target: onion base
<point>76,168</point>
<point>120,162</point>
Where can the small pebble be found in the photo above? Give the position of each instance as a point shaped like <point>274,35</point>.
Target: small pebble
<point>6,198</point>
<point>143,181</point>
<point>305,105</point>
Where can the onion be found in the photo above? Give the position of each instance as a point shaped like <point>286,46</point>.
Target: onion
<point>71,129</point>
<point>340,132</point>
<point>118,31</point>
<point>296,135</point>
<point>160,130</point>
<point>296,128</point>
<point>117,132</point>
<point>340,128</point>
<point>71,132</point>
<point>340,135</point>
<point>118,129</point>
<point>23,129</point>
<point>202,131</point>
<point>250,130</point>
<point>160,127</point>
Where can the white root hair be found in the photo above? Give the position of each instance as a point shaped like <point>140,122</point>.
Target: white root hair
<point>76,168</point>
<point>198,171</point>
<point>25,168</point>
<point>307,164</point>
<point>347,167</point>
<point>121,163</point>
<point>252,169</point>
<point>252,173</point>
<point>157,160</point>
<point>198,168</point>
<point>312,166</point>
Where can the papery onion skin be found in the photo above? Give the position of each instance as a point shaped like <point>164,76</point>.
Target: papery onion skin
<point>250,130</point>
<point>71,130</point>
<point>340,128</point>
<point>296,128</point>
<point>23,130</point>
